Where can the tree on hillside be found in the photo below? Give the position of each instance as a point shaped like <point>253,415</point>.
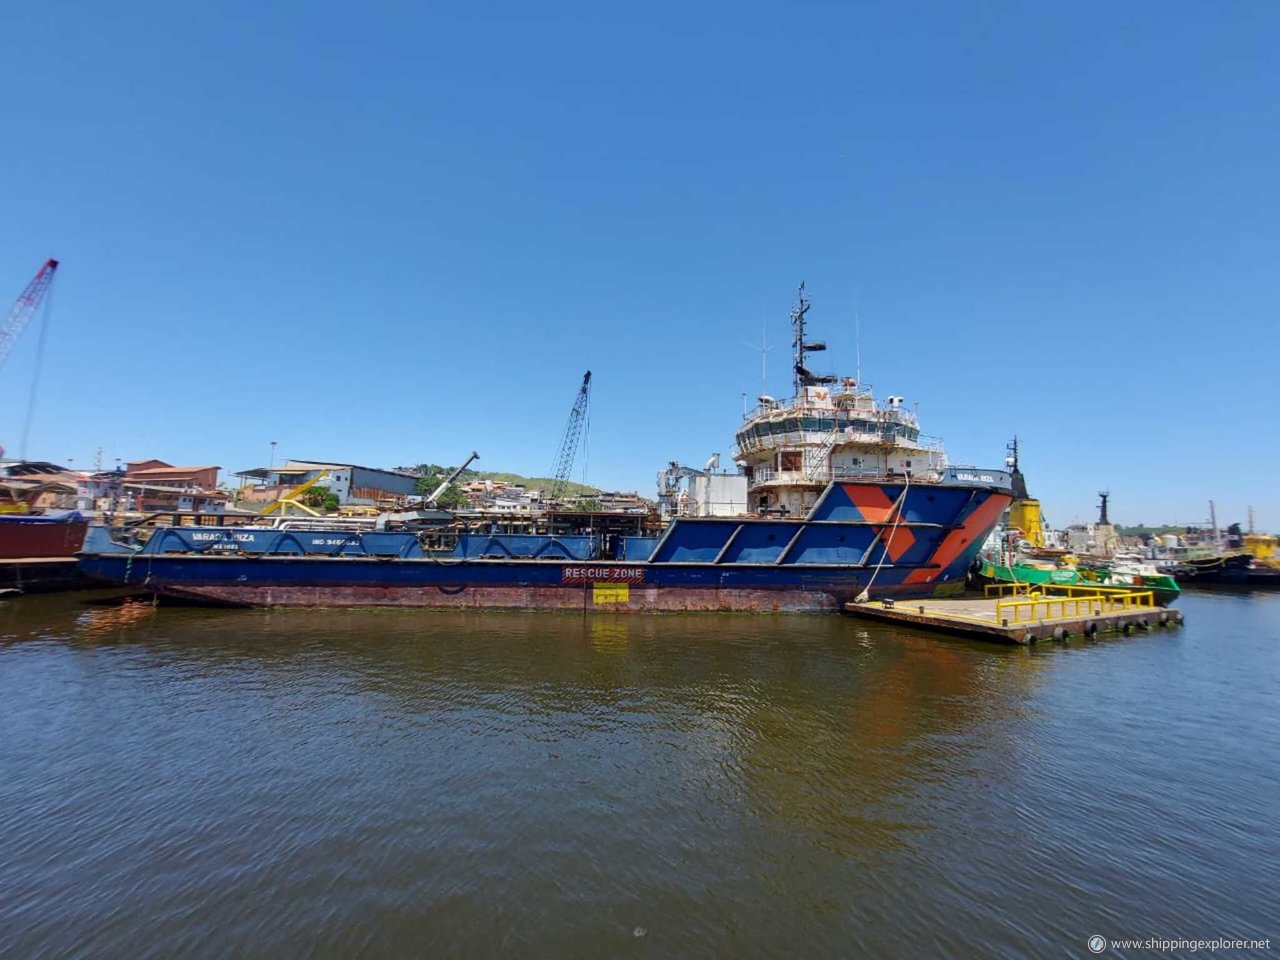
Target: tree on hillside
<point>320,498</point>
<point>452,498</point>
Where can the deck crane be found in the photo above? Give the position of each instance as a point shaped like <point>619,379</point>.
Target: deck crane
<point>438,492</point>
<point>24,307</point>
<point>569,443</point>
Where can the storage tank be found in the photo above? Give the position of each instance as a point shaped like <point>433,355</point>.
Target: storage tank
<point>1169,541</point>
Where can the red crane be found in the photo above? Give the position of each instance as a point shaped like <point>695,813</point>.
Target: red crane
<point>24,307</point>
<point>23,310</point>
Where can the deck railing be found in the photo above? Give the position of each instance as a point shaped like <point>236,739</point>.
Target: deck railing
<point>786,477</point>
<point>864,405</point>
<point>1067,602</point>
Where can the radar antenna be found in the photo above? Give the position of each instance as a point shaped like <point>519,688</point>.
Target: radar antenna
<point>803,376</point>
<point>1015,471</point>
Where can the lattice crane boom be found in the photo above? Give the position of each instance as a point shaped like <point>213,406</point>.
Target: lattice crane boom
<point>25,307</point>
<point>569,443</point>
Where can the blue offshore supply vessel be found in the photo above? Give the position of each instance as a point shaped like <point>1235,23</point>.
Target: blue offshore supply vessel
<point>890,538</point>
<point>841,499</point>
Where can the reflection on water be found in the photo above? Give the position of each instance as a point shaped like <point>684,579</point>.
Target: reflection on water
<point>113,619</point>
<point>269,783</point>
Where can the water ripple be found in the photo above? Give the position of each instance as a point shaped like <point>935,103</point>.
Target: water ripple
<point>344,783</point>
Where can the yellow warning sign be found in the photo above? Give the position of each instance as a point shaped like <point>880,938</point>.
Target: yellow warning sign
<point>610,592</point>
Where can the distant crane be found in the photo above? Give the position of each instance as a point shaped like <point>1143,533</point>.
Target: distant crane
<point>670,478</point>
<point>24,307</point>
<point>444,484</point>
<point>293,498</point>
<point>569,444</point>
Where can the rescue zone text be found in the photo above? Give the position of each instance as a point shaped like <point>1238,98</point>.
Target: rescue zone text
<point>602,575</point>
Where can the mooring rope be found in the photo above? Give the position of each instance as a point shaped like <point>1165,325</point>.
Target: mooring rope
<point>865,595</point>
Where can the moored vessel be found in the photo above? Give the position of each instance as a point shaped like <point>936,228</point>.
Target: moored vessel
<point>1236,569</point>
<point>1018,553</point>
<point>38,552</point>
<point>1068,571</point>
<point>844,502</point>
<point>31,536</point>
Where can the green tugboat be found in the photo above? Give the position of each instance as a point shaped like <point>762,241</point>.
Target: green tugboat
<point>1018,553</point>
<point>1124,572</point>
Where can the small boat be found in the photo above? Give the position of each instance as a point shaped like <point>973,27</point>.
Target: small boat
<point>1127,570</point>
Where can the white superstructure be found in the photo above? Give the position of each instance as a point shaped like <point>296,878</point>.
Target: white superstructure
<point>832,428</point>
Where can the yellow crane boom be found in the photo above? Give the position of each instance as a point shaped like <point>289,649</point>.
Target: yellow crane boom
<point>291,498</point>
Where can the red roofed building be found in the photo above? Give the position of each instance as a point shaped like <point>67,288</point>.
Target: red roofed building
<point>158,486</point>
<point>159,473</point>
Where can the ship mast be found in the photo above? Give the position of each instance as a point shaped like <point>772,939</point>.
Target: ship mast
<point>1018,480</point>
<point>803,377</point>
<point>797,338</point>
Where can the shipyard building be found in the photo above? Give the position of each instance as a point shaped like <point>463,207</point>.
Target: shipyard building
<point>353,484</point>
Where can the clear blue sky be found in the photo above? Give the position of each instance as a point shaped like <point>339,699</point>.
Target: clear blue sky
<point>390,233</point>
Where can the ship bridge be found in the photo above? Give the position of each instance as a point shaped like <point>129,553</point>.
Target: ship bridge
<point>832,428</point>
<point>801,421</point>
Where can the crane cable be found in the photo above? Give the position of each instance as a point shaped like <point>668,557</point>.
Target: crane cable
<point>586,439</point>
<point>46,310</point>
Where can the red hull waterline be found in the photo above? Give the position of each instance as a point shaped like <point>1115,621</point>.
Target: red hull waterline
<point>602,598</point>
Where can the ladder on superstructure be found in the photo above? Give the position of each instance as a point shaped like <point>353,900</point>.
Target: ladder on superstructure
<point>822,457</point>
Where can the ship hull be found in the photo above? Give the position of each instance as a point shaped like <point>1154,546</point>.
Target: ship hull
<point>1236,569</point>
<point>889,540</point>
<point>1164,589</point>
<point>27,538</point>
<point>350,582</point>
